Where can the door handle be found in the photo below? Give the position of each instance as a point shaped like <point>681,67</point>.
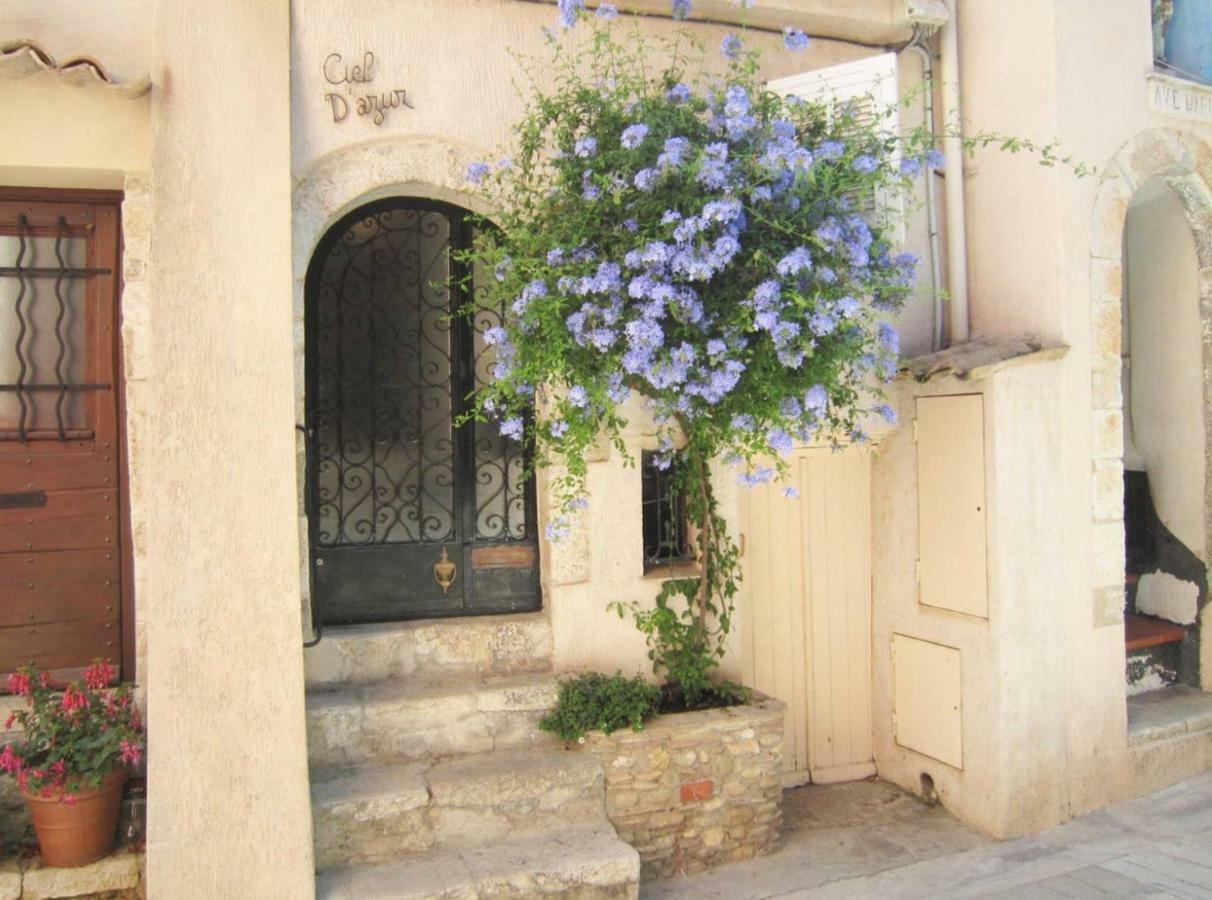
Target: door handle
<point>444,572</point>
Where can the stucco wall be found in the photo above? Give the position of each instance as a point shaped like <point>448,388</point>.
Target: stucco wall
<point>1043,680</point>
<point>1165,347</point>
<point>62,135</point>
<point>228,801</point>
<point>470,92</point>
<point>1013,776</point>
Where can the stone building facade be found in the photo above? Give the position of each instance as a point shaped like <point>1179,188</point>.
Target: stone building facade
<point>973,644</point>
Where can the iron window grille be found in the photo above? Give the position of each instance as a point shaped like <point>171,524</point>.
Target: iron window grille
<point>667,538</point>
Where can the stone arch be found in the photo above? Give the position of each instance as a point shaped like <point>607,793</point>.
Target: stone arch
<point>1184,163</point>
<point>427,167</point>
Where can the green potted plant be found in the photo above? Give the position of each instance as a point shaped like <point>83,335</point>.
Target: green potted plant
<point>71,761</point>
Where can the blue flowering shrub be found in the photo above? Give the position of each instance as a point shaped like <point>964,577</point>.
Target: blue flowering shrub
<point>693,239</point>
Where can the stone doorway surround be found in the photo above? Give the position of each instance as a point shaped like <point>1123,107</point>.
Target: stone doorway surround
<point>424,167</point>
<point>1184,163</point>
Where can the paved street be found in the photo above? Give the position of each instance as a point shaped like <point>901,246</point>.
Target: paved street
<point>868,839</point>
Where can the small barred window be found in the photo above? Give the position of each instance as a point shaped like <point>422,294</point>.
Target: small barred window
<point>666,535</point>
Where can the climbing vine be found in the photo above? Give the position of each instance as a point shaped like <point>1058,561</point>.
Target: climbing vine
<point>703,243</point>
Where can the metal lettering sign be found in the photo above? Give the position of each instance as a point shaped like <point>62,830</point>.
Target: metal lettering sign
<point>353,79</point>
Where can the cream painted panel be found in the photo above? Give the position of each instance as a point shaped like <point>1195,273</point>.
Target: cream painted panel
<point>836,506</point>
<point>950,434</point>
<point>927,699</point>
<point>807,609</point>
<point>773,616</point>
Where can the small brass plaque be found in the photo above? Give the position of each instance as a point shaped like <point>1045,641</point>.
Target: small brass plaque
<point>505,556</point>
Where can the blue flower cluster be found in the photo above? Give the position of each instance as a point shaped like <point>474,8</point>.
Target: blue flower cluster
<point>699,245</point>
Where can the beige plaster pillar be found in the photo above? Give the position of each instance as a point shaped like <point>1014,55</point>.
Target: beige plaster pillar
<point>228,805</point>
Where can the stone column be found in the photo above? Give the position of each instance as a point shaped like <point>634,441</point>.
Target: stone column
<point>228,804</point>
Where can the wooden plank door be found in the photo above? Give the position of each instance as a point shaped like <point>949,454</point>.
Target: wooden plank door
<point>807,610</point>
<point>61,496</point>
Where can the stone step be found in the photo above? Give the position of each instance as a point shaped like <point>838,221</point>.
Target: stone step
<point>583,862</point>
<point>370,814</point>
<point>430,650</point>
<point>401,721</point>
<point>379,813</point>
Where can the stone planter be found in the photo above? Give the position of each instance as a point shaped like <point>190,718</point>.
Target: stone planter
<point>695,790</point>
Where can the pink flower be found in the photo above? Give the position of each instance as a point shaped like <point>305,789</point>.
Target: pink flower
<point>74,699</point>
<point>9,761</point>
<point>19,684</point>
<point>70,798</point>
<point>131,753</point>
<point>98,675</point>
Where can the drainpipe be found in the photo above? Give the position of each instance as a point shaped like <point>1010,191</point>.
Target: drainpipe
<point>953,152</point>
<point>936,258</point>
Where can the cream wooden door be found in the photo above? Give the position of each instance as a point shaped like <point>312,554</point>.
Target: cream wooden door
<point>806,614</point>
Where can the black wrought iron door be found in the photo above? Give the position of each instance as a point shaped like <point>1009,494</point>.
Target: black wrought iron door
<point>409,516</point>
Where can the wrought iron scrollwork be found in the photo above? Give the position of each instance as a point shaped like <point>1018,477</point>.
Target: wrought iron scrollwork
<point>499,463</point>
<point>391,362</point>
<point>383,404</point>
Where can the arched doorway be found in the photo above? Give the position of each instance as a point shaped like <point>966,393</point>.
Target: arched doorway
<point>409,514</point>
<point>1157,171</point>
<point>1162,350</point>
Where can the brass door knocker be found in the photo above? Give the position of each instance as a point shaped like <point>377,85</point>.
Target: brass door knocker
<point>444,572</point>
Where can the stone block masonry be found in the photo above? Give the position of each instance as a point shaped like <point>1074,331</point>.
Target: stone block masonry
<point>118,876</point>
<point>695,790</point>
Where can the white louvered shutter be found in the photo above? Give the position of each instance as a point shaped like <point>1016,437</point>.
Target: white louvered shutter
<point>871,85</point>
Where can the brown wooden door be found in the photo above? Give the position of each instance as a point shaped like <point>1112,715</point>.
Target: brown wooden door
<point>60,442</point>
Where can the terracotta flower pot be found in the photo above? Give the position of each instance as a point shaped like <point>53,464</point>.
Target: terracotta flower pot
<point>76,834</point>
